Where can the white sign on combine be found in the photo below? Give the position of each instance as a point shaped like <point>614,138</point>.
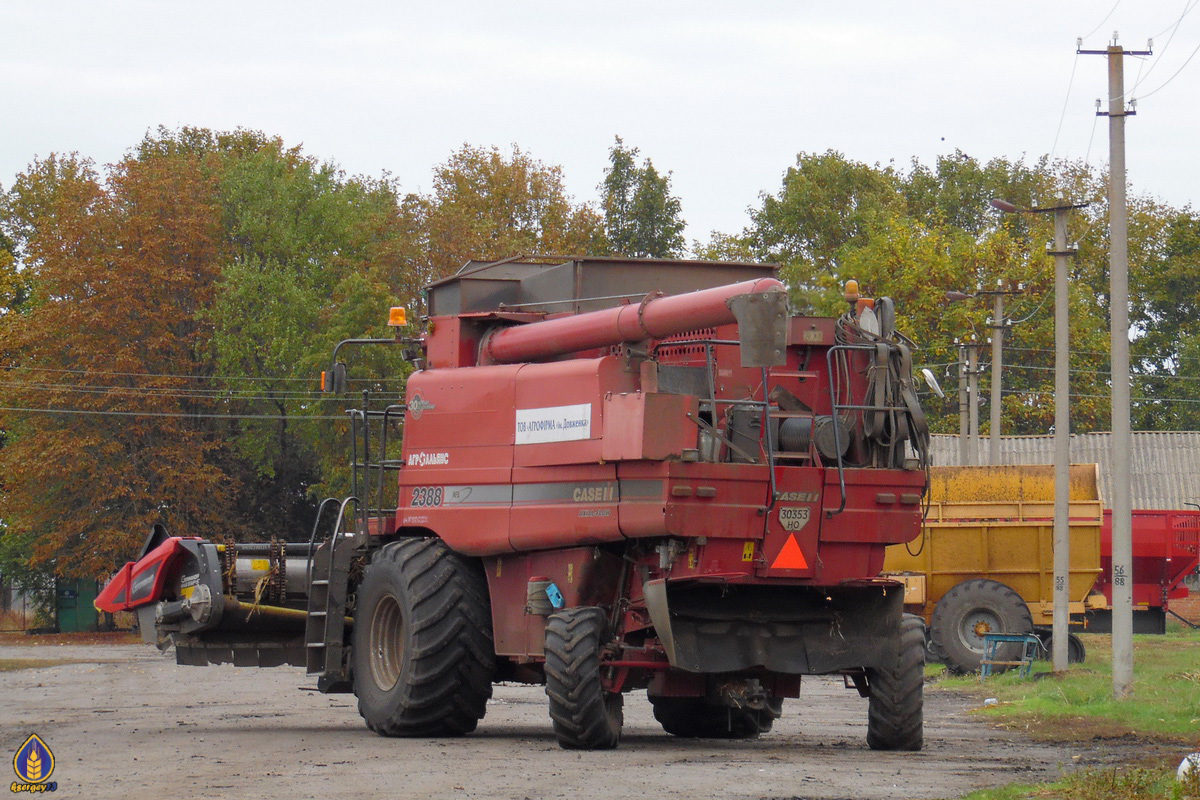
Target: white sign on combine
<point>554,424</point>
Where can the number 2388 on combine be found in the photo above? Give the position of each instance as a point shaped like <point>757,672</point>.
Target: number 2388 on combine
<point>614,475</point>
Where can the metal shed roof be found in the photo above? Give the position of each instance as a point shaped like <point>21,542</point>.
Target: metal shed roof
<point>1165,465</point>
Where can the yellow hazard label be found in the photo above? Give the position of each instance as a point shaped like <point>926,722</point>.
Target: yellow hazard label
<point>260,564</point>
<point>570,573</point>
<point>691,559</point>
<point>748,551</point>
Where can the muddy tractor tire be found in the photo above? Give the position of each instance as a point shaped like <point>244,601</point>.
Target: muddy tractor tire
<point>585,715</point>
<point>422,653</point>
<point>967,613</point>
<point>696,718</point>
<point>896,709</point>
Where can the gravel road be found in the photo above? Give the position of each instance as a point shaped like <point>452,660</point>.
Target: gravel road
<point>124,721</point>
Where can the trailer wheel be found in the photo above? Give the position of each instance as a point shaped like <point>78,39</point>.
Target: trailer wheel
<point>694,718</point>
<point>422,648</point>
<point>968,612</point>
<point>1076,652</point>
<point>896,709</point>
<point>585,715</point>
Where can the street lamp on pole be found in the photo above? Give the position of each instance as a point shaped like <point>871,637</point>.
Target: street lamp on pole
<point>1062,421</point>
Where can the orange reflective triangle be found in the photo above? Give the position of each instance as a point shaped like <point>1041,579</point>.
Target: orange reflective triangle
<point>791,556</point>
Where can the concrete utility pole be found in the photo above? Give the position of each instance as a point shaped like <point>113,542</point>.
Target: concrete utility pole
<point>964,418</point>
<point>973,390</point>
<point>1062,445</point>
<point>998,326</point>
<point>968,402</point>
<point>1062,426</point>
<point>1118,261</point>
<point>997,366</point>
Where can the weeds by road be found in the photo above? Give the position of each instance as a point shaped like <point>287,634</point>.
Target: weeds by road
<point>1164,710</point>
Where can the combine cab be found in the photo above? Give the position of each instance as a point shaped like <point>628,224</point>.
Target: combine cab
<point>614,476</point>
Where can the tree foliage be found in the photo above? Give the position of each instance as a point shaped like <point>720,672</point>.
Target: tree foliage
<point>641,216</point>
<point>487,206</point>
<point>163,321</point>
<point>118,271</point>
<point>181,311</point>
<point>919,233</point>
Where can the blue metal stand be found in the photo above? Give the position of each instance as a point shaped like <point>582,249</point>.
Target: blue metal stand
<point>992,641</point>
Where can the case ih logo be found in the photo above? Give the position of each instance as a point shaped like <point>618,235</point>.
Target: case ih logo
<point>419,404</point>
<point>429,459</point>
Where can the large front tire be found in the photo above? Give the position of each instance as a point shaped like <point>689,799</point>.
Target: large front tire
<point>585,715</point>
<point>422,647</point>
<point>896,709</point>
<point>970,611</point>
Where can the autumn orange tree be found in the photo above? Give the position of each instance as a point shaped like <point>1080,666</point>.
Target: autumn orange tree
<point>113,440</point>
<point>162,363</point>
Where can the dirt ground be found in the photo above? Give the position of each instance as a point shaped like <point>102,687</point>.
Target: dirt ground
<point>123,721</point>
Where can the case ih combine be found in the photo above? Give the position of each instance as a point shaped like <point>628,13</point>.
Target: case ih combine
<point>615,475</point>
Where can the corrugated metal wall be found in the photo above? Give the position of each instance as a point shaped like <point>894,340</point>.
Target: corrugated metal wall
<point>1166,466</point>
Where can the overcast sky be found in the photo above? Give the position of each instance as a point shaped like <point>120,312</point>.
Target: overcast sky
<point>723,95</point>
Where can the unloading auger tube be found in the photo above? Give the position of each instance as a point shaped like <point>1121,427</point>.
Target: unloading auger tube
<point>655,317</point>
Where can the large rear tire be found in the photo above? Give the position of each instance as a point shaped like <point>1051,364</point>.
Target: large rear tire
<point>422,646</point>
<point>970,611</point>
<point>695,718</point>
<point>896,709</point>
<point>585,715</point>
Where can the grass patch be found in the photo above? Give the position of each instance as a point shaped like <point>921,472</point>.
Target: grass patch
<point>1128,783</point>
<point>1078,705</point>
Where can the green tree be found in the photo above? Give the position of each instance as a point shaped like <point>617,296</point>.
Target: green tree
<point>826,206</point>
<point>917,234</point>
<point>1166,352</point>
<point>641,216</point>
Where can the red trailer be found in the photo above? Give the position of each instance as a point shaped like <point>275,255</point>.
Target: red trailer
<point>1166,549</point>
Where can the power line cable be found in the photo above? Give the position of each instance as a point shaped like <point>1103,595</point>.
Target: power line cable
<point>309,379</point>
<point>1173,77</point>
<point>1101,23</point>
<point>1066,101</point>
<point>166,414</point>
<point>1188,5</point>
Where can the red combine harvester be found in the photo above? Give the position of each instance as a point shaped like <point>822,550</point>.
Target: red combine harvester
<point>614,475</point>
<point>1166,549</point>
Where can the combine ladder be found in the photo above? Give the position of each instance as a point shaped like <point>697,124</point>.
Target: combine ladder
<point>325,632</point>
<point>327,653</point>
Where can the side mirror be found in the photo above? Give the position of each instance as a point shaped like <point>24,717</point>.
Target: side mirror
<point>335,380</point>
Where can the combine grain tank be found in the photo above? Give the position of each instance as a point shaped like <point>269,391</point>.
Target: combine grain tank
<point>614,476</point>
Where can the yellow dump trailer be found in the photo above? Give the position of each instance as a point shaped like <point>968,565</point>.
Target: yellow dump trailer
<point>985,563</point>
